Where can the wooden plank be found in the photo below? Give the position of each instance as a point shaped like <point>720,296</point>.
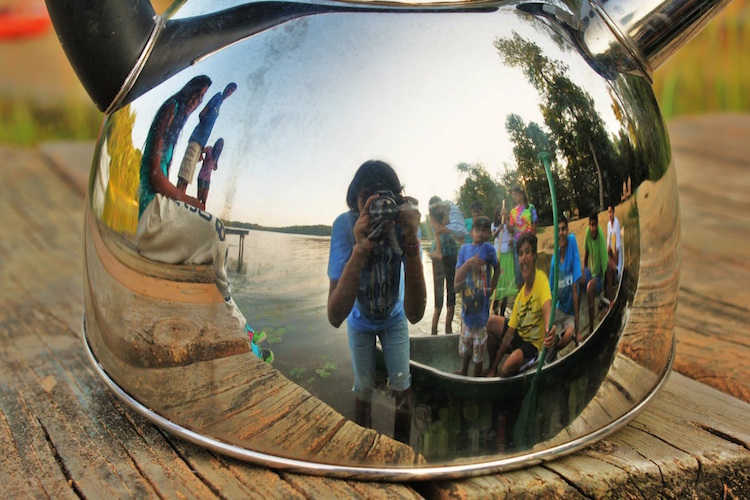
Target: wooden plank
<point>678,448</point>
<point>713,310</point>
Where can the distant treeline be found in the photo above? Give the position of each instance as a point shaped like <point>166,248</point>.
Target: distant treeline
<point>316,230</point>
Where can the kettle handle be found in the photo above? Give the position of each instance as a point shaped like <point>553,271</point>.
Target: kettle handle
<point>102,40</point>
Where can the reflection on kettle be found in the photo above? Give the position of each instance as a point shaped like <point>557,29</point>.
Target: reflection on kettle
<point>270,107</point>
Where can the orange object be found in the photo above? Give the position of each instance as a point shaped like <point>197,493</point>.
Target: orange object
<point>22,22</point>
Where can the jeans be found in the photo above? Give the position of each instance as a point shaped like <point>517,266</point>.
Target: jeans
<point>395,343</point>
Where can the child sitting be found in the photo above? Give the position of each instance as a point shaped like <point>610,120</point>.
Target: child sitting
<point>526,331</point>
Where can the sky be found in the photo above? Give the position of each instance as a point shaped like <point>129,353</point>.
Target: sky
<point>319,96</point>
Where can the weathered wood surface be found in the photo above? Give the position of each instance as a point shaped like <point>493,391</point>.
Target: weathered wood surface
<point>64,435</point>
<point>713,310</point>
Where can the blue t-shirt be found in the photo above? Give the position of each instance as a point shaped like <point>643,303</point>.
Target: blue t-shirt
<point>569,273</point>
<point>380,298</point>
<point>202,131</point>
<point>476,293</point>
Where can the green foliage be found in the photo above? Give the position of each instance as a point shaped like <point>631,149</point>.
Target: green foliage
<point>26,122</point>
<point>573,133</point>
<point>479,186</point>
<point>710,73</point>
<point>327,370</point>
<point>274,335</point>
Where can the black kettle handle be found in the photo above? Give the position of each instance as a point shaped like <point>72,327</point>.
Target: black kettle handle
<point>103,40</point>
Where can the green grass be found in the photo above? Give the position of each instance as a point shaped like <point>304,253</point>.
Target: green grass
<point>712,72</point>
<point>26,123</point>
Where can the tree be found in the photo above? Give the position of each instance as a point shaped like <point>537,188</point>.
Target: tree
<point>479,186</point>
<point>577,134</point>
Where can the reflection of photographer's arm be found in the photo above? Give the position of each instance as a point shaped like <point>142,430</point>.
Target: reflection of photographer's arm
<point>415,291</point>
<point>343,292</point>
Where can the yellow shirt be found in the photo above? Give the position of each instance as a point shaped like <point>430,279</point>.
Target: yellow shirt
<point>527,317</point>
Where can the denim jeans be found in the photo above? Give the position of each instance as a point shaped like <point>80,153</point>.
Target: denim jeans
<point>395,343</point>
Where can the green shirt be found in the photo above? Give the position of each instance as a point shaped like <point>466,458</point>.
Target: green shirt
<point>597,251</point>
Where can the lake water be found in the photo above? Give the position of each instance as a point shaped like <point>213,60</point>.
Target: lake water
<point>282,288</point>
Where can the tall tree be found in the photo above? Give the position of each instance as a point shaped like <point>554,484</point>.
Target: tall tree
<point>576,130</point>
<point>479,186</point>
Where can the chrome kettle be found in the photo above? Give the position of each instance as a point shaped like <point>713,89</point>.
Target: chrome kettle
<point>207,289</point>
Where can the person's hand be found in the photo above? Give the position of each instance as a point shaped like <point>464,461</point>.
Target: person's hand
<point>362,226</point>
<point>194,202</point>
<point>409,217</point>
<point>476,262</point>
<point>550,337</point>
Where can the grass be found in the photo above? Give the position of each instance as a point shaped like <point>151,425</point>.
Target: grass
<point>24,122</point>
<point>712,72</point>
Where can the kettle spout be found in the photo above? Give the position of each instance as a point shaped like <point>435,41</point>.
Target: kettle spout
<point>103,41</point>
<point>653,30</point>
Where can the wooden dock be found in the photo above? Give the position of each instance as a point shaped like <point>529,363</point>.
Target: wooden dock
<point>64,435</point>
<point>241,232</point>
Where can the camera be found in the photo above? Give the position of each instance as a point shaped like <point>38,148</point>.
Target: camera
<point>382,211</point>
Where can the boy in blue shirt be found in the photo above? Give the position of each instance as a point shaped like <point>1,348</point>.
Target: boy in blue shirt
<point>477,271</point>
<point>569,274</point>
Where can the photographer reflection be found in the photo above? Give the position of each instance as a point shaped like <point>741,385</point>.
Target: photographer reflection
<point>376,284</point>
<point>172,226</point>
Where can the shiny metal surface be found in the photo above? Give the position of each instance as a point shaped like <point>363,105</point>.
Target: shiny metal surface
<point>425,90</point>
<point>656,29</point>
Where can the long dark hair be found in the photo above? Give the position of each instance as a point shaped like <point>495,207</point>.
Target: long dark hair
<point>372,176</point>
<point>182,97</point>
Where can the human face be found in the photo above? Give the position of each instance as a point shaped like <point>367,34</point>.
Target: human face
<point>475,212</point>
<point>611,213</point>
<point>196,99</point>
<point>517,197</point>
<point>593,229</point>
<point>480,235</point>
<point>527,262</point>
<point>562,234</point>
